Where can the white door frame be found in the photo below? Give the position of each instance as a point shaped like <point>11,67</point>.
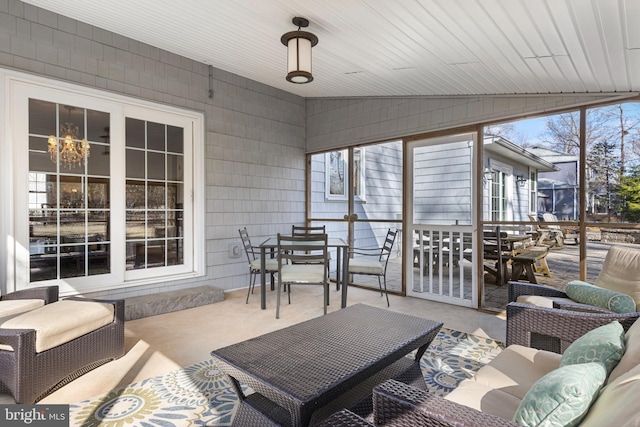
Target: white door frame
<point>457,285</point>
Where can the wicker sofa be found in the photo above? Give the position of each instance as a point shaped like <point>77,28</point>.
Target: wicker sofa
<point>493,395</point>
<point>44,349</point>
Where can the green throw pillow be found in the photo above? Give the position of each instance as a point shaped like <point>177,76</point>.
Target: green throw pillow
<point>562,397</point>
<point>604,344</point>
<point>586,293</point>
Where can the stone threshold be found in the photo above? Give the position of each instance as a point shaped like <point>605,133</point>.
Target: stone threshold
<point>165,302</point>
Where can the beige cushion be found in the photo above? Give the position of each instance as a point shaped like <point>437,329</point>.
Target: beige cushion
<point>617,404</point>
<point>516,369</point>
<point>484,398</point>
<point>631,356</point>
<point>303,273</point>
<point>271,264</point>
<point>365,266</point>
<point>621,272</point>
<point>11,307</point>
<point>540,301</point>
<point>61,321</point>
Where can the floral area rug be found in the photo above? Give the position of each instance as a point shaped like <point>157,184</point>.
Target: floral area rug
<point>199,395</point>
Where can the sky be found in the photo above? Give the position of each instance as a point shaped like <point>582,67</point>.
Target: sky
<point>530,131</point>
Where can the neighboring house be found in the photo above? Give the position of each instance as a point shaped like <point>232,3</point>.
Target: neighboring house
<point>558,189</point>
<point>512,179</point>
<point>442,184</point>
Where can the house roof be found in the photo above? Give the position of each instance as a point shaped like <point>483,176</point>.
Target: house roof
<point>553,156</point>
<point>379,48</point>
<point>506,148</point>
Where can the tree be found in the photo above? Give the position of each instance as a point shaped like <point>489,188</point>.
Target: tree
<point>612,139</point>
<point>605,177</point>
<point>629,193</point>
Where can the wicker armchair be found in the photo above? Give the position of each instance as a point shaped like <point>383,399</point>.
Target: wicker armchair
<point>29,374</point>
<point>24,300</point>
<point>398,404</point>
<point>620,273</point>
<point>555,329</point>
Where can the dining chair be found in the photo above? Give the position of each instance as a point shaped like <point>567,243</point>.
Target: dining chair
<point>373,261</point>
<point>300,230</point>
<point>302,260</point>
<point>255,266</point>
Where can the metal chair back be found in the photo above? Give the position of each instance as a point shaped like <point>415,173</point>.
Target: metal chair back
<point>302,260</point>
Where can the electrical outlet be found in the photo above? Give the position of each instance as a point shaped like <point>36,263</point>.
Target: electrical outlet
<point>234,250</point>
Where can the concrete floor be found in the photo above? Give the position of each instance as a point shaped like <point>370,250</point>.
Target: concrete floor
<point>159,344</point>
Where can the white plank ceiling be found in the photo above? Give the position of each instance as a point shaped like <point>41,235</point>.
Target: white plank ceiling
<point>394,48</point>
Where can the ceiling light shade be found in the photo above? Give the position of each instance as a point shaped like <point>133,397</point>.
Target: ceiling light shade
<point>299,44</point>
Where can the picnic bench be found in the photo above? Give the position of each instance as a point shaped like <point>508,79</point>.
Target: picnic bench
<point>523,264</point>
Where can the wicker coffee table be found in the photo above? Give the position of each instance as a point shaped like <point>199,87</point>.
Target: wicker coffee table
<point>303,373</point>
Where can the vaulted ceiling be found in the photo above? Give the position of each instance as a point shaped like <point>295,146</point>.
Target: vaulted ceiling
<point>394,48</point>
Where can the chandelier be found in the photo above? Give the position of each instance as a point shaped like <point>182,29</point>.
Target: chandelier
<point>69,150</point>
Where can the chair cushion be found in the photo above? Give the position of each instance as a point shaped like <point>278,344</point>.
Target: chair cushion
<point>516,369</point>
<point>365,266</point>
<point>302,273</point>
<point>484,398</point>
<point>62,321</point>
<point>604,344</point>
<point>586,293</point>
<point>270,264</point>
<point>562,397</point>
<point>540,301</point>
<point>12,307</point>
<point>631,356</point>
<point>621,272</point>
<point>617,404</point>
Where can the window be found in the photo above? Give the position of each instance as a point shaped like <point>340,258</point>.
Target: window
<point>109,190</point>
<point>498,199</point>
<point>336,166</point>
<point>533,192</point>
<point>500,190</point>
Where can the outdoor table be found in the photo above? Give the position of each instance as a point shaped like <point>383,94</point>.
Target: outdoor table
<point>341,246</point>
<point>317,365</point>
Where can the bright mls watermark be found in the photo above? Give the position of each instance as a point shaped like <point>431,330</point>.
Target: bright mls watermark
<point>34,415</point>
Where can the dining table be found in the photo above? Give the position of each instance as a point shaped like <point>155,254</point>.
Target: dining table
<point>342,268</point>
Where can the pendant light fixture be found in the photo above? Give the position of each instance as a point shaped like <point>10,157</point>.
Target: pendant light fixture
<point>299,44</point>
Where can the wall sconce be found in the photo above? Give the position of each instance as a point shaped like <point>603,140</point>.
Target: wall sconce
<point>521,180</point>
<point>299,44</point>
<point>487,176</point>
